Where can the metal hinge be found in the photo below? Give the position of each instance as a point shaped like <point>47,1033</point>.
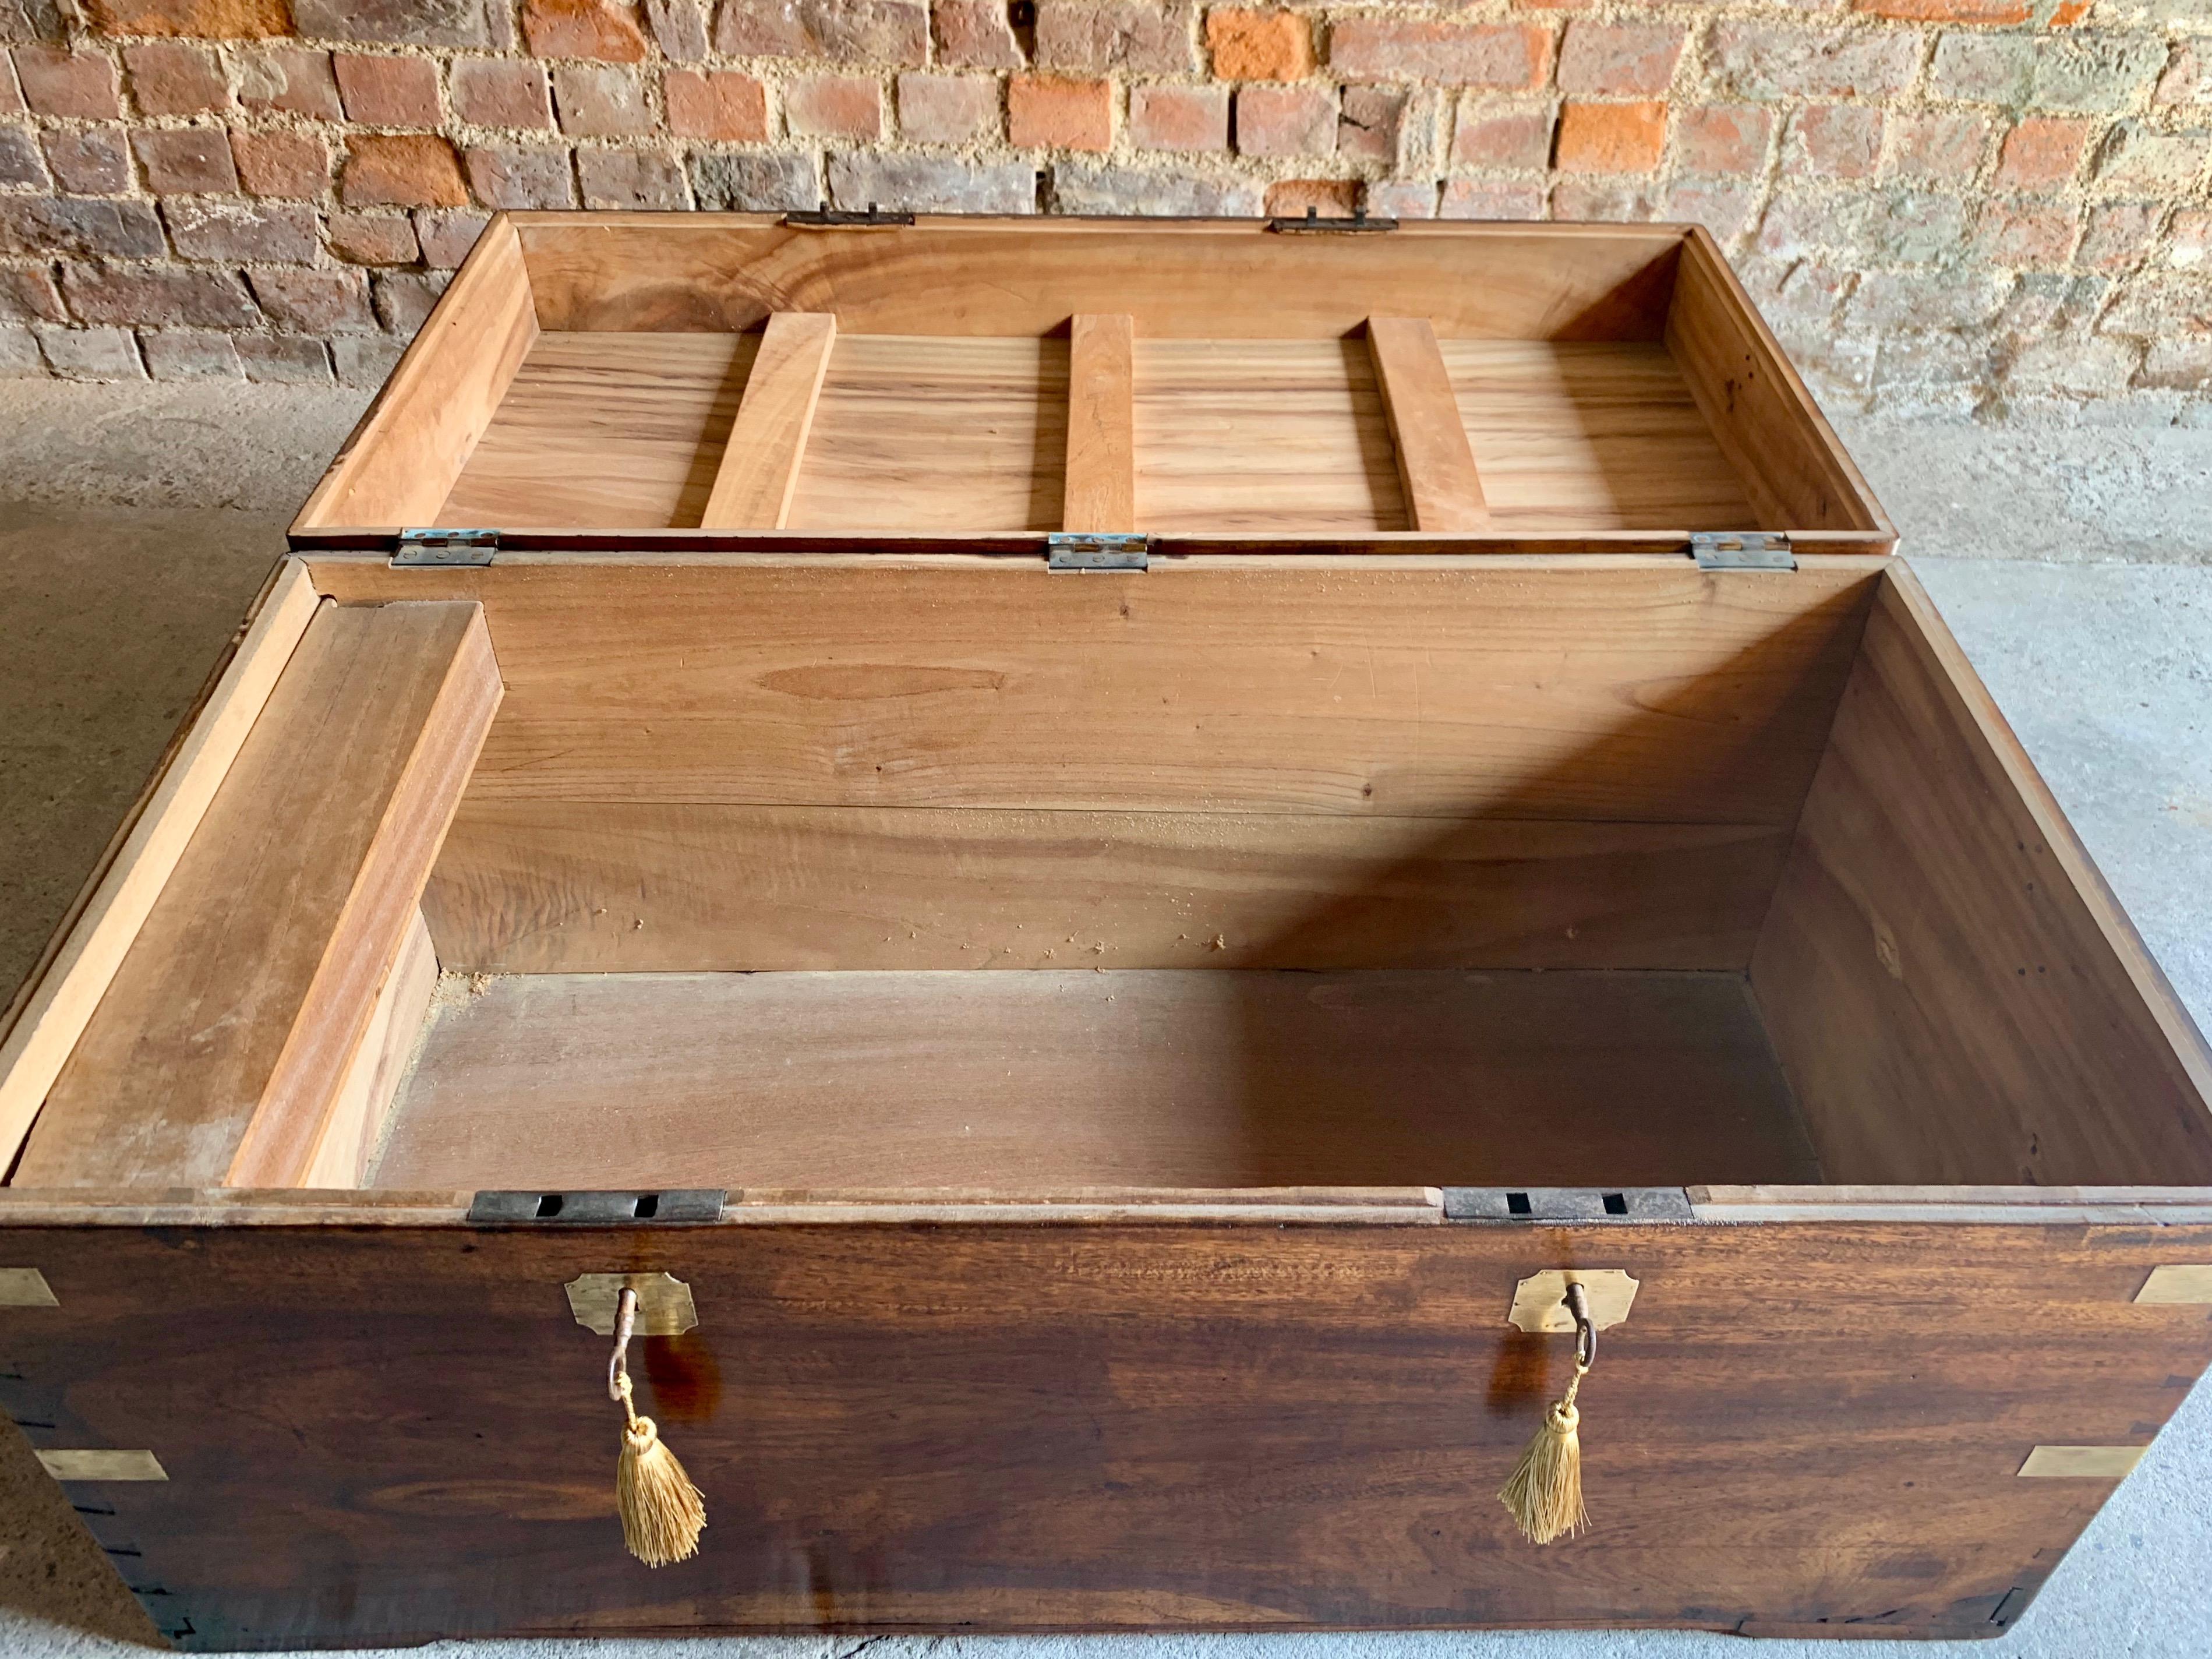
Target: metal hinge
<point>603,1209</point>
<point>826,217</point>
<point>1575,1203</point>
<point>1078,551</point>
<point>449,547</point>
<point>1743,550</point>
<point>1311,220</point>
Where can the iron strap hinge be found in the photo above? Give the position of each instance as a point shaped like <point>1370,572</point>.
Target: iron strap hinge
<point>826,217</point>
<point>445,547</point>
<point>1311,220</point>
<point>1743,550</point>
<point>603,1209</point>
<point>1087,550</point>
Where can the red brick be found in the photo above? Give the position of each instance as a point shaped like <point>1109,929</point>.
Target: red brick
<point>583,29</point>
<point>1482,198</point>
<point>2042,151</point>
<point>317,302</point>
<point>1727,138</point>
<point>1613,200</point>
<point>1179,117</point>
<point>1614,59</point>
<point>1725,209</point>
<point>30,296</point>
<point>1512,56</point>
<point>1093,37</point>
<point>833,107</point>
<point>185,159</point>
<point>1285,121</point>
<point>1936,145</point>
<point>1612,138</point>
<point>283,360</point>
<point>630,179</point>
<point>1947,11</point>
<point>446,237</point>
<point>490,92</point>
<point>2187,77</point>
<point>600,101</point>
<point>11,96</point>
<point>1330,199</point>
<point>716,104</point>
<point>948,109</point>
<point>212,19</point>
<point>1370,123</point>
<point>242,232</point>
<point>292,79</point>
<point>1833,141</point>
<point>57,82</point>
<point>1401,199</point>
<point>2032,233</point>
<point>1048,111</point>
<point>1512,139</point>
<point>294,165</point>
<point>2119,234</point>
<point>522,176</point>
<point>1249,45</point>
<point>975,35</point>
<point>90,160</point>
<point>402,170</point>
<point>163,295</point>
<point>19,160</point>
<point>175,77</point>
<point>373,238</point>
<point>2188,240</point>
<point>385,91</point>
<point>895,31</point>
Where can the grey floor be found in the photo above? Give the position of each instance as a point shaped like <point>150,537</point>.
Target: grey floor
<point>2074,558</point>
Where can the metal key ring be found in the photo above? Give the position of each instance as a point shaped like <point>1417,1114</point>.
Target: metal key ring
<point>1577,1301</point>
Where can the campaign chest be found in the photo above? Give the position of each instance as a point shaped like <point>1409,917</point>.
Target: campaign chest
<point>1098,857</point>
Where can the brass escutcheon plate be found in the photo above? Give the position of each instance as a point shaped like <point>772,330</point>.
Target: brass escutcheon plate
<point>1539,1301</point>
<point>665,1307</point>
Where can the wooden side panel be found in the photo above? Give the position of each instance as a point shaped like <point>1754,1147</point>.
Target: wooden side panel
<point>401,462</point>
<point>355,1125</point>
<point>222,1044</point>
<point>1651,693</point>
<point>714,272</point>
<point>1067,1078</point>
<point>1437,468</point>
<point>69,985</point>
<point>1101,491</point>
<point>760,464</point>
<point>383,1435</point>
<point>1956,997</point>
<point>1766,423</point>
<point>526,886</point>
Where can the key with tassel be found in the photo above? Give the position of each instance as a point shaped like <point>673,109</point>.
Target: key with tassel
<point>1544,1494</point>
<point>662,1512</point>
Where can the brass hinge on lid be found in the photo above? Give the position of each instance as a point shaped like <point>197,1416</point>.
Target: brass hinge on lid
<point>826,217</point>
<point>1087,550</point>
<point>422,548</point>
<point>1311,220</point>
<point>1743,550</point>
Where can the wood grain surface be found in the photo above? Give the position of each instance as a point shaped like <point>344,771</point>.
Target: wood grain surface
<point>1071,1076</point>
<point>1649,692</point>
<point>1954,994</point>
<point>766,446</point>
<point>527,886</point>
<point>227,1034</point>
<point>390,1434</point>
<point>1101,489</point>
<point>353,1129</point>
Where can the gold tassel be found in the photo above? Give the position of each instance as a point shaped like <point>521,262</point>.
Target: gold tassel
<point>662,1513</point>
<point>1543,1493</point>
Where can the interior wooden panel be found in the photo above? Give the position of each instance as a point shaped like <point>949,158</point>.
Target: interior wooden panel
<point>606,432</point>
<point>759,471</point>
<point>526,886</point>
<point>1436,467</point>
<point>1101,489</point>
<point>1010,277</point>
<point>353,1129</point>
<point>220,1047</point>
<point>1955,996</point>
<point>1283,435</point>
<point>1168,1078</point>
<point>1764,421</point>
<point>401,462</point>
<point>1647,691</point>
<point>940,433</point>
<point>1592,437</point>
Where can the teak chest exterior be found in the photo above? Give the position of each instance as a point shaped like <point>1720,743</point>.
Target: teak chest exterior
<point>1122,847</point>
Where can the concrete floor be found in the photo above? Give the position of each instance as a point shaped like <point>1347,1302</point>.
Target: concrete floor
<point>2074,558</point>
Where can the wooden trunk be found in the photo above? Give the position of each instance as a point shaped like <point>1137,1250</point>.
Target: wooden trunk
<point>1102,837</point>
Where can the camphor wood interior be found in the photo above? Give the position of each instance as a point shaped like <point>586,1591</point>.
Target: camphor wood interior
<point>1422,817</point>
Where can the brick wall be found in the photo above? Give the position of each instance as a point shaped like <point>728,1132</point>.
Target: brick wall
<point>1935,200</point>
